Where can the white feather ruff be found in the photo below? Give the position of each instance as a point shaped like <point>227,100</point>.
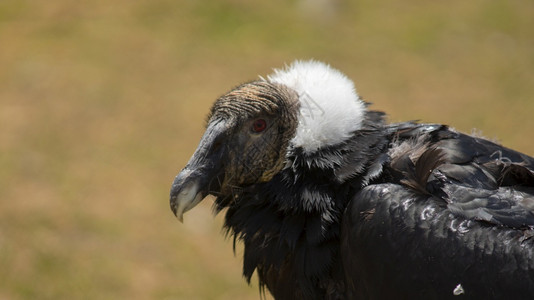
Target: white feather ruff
<point>330,108</point>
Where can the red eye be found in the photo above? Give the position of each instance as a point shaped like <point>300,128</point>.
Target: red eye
<point>259,125</point>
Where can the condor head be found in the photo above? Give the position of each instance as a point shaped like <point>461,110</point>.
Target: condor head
<point>251,130</point>
<point>245,142</point>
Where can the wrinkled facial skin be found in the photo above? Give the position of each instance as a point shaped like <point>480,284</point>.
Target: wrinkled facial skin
<point>245,142</point>
<point>254,155</point>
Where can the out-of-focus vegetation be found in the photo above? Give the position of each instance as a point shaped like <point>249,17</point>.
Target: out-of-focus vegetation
<point>103,102</point>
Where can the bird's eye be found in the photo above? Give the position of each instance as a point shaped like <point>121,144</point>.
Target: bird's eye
<point>259,125</point>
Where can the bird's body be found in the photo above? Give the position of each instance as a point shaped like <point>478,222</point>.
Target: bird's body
<point>458,214</point>
<point>333,203</point>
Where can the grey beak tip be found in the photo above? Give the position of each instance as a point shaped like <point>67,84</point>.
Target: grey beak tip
<point>174,208</point>
<point>185,194</point>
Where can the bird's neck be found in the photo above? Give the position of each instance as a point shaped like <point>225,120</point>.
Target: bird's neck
<point>293,222</point>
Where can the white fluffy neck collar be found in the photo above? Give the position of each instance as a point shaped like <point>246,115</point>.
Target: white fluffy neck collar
<point>330,108</point>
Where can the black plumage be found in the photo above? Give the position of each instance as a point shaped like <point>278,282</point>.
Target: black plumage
<point>459,214</point>
<point>395,211</point>
<point>290,225</point>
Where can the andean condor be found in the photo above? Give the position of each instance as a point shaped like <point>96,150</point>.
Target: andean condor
<point>331,202</point>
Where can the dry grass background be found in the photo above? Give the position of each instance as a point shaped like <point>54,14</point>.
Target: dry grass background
<point>103,102</point>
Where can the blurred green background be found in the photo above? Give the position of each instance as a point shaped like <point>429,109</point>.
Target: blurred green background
<point>103,102</point>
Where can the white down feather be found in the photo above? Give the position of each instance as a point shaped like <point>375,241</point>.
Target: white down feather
<point>330,108</point>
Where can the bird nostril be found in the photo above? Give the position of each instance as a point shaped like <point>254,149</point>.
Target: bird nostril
<point>216,145</point>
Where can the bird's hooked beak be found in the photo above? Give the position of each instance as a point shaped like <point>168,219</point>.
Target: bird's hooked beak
<point>201,174</point>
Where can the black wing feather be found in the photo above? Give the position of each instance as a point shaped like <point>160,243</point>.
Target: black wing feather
<point>452,210</point>
<point>397,244</point>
